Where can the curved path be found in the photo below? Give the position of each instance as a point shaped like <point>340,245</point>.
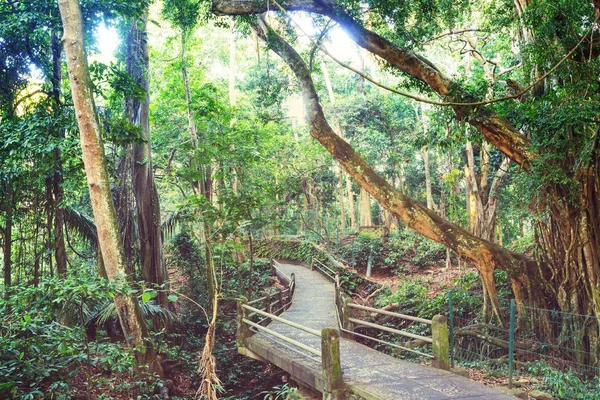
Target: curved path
<point>366,372</point>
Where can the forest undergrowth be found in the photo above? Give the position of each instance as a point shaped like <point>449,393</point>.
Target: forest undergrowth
<point>61,340</point>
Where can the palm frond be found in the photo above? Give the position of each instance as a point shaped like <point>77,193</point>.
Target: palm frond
<point>154,310</point>
<point>149,310</point>
<point>109,311</point>
<point>83,224</point>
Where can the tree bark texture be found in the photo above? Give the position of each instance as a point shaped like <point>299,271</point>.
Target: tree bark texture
<point>144,189</point>
<point>496,129</point>
<point>428,189</point>
<point>128,309</point>
<point>486,255</point>
<point>366,218</point>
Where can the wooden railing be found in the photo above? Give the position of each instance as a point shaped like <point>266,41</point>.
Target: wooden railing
<point>324,269</point>
<point>439,339</point>
<point>279,301</point>
<point>329,353</point>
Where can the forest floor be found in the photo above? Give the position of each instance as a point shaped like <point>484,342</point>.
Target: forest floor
<point>435,277</point>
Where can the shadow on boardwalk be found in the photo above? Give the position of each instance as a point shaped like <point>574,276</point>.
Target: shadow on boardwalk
<point>366,372</point>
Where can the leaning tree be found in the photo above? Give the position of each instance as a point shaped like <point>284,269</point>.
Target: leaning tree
<point>550,133</point>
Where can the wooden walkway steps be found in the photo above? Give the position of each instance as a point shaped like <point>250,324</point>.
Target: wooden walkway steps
<point>367,373</point>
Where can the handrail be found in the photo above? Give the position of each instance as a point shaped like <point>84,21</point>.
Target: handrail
<point>330,344</point>
<point>391,330</point>
<point>257,300</point>
<point>390,313</point>
<point>330,276</point>
<point>280,271</point>
<point>284,321</point>
<point>283,337</point>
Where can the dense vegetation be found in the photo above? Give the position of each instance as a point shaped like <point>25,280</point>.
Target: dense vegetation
<point>138,186</point>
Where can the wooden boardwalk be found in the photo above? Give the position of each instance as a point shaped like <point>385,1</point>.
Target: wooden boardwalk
<point>366,372</point>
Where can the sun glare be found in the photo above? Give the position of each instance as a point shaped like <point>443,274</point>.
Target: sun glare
<point>108,40</point>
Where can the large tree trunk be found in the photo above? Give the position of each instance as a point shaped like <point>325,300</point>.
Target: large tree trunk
<point>486,255</point>
<point>124,204</point>
<point>146,196</point>
<point>128,309</point>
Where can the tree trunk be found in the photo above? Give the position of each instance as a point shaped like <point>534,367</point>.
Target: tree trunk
<point>192,130</point>
<point>7,234</point>
<point>366,218</point>
<point>483,210</point>
<point>60,253</point>
<point>338,129</point>
<point>351,206</point>
<point>144,190</point>
<point>127,306</point>
<point>124,204</point>
<point>341,195</point>
<point>430,203</point>
<point>48,242</point>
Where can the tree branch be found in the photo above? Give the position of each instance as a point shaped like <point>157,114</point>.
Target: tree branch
<point>486,255</point>
<point>497,130</point>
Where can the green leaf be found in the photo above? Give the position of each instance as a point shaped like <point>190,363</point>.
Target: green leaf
<point>147,296</point>
<point>172,297</point>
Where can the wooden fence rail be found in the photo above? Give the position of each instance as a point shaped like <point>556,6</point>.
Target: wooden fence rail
<point>330,343</point>
<point>439,327</point>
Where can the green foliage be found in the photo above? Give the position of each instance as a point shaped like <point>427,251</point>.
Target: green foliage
<point>565,385</point>
<point>186,254</point>
<point>401,251</point>
<point>43,337</point>
<point>183,14</point>
<point>283,392</point>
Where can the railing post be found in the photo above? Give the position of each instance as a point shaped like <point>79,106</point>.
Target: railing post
<point>441,345</point>
<point>280,298</point>
<point>333,385</point>
<point>292,285</point>
<point>346,315</point>
<point>269,307</point>
<point>312,263</point>
<point>243,331</point>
